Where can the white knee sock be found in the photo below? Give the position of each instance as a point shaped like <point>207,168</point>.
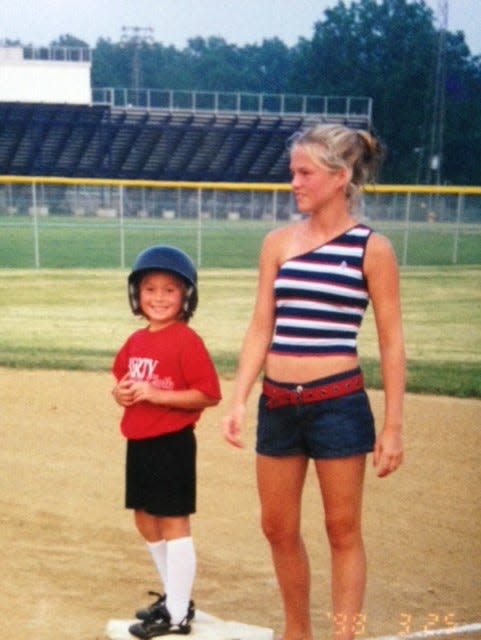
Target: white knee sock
<point>181,567</point>
<point>158,551</point>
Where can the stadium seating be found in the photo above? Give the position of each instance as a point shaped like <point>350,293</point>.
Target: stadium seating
<point>137,143</point>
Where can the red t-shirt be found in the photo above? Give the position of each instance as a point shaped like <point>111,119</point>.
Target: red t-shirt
<point>172,358</point>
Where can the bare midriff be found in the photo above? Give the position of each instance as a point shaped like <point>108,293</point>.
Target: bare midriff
<point>301,369</point>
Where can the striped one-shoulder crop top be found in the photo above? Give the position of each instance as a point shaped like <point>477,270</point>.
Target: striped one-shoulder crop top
<point>321,297</point>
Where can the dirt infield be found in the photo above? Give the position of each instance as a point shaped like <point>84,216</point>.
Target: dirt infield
<point>71,558</point>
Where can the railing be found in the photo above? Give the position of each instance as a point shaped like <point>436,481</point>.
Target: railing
<point>55,53</point>
<point>80,222</point>
<point>348,107</point>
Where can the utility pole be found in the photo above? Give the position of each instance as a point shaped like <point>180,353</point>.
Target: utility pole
<point>436,142</point>
<point>136,38</point>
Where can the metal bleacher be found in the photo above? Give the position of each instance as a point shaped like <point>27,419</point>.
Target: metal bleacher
<point>169,142</point>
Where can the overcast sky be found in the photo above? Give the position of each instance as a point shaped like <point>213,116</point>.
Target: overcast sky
<point>38,22</point>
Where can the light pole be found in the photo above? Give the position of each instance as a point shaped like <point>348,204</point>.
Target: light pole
<point>436,142</point>
<point>136,37</point>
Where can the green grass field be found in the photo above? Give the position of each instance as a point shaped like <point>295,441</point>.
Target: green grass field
<point>78,318</point>
<point>66,242</point>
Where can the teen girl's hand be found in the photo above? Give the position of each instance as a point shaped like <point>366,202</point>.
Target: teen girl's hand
<point>388,452</point>
<point>231,426</point>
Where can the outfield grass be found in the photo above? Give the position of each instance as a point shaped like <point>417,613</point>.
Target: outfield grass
<point>69,243</point>
<point>77,319</point>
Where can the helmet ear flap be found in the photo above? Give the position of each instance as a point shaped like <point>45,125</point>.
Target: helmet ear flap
<point>190,302</point>
<point>133,292</point>
<point>188,295</point>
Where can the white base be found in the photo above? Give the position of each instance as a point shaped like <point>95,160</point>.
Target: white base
<point>204,627</point>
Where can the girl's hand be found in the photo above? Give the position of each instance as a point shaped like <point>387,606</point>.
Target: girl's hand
<point>122,392</point>
<point>231,426</point>
<point>143,392</point>
<point>388,452</point>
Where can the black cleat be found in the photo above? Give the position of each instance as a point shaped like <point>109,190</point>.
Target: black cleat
<point>158,611</point>
<point>155,610</point>
<point>153,629</point>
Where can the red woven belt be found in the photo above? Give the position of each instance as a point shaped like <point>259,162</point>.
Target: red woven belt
<point>282,397</point>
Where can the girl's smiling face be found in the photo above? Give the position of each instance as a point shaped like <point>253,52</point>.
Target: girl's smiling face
<point>161,297</point>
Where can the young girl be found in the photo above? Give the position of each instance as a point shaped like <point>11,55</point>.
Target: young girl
<point>316,277</point>
<point>165,379</point>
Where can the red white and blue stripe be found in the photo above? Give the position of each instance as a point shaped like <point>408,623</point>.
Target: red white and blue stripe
<point>321,297</point>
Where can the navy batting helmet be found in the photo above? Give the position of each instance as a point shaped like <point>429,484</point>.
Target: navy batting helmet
<point>164,258</point>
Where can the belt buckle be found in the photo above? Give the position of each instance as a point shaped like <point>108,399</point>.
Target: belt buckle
<point>298,391</point>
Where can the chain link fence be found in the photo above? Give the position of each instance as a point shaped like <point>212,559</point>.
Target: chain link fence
<point>92,223</point>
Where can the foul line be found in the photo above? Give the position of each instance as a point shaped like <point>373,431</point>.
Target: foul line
<point>435,633</point>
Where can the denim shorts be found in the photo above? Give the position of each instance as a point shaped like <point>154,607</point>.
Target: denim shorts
<point>335,428</point>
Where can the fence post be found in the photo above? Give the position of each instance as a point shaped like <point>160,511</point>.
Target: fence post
<point>406,231</point>
<point>459,209</point>
<point>121,226</point>
<point>199,227</point>
<point>36,246</point>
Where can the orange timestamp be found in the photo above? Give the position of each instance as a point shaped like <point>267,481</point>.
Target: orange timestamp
<point>407,623</point>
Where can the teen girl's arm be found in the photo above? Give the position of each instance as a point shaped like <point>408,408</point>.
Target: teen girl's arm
<point>256,341</point>
<point>382,275</point>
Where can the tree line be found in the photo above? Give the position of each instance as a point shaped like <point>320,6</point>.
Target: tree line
<point>423,79</point>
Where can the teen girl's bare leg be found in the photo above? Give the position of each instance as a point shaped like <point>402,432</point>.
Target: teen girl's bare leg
<point>280,483</point>
<point>341,482</point>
